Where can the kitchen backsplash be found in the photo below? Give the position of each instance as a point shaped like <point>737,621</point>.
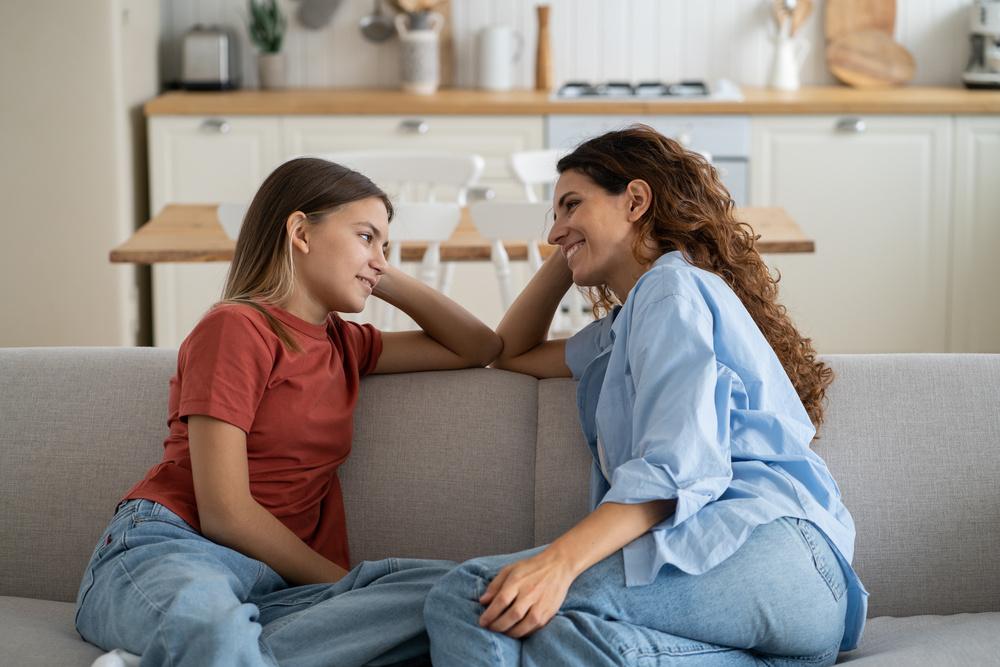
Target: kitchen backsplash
<point>591,40</point>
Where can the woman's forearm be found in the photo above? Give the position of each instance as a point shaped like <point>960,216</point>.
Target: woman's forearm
<point>524,329</point>
<point>527,594</point>
<point>606,530</point>
<point>440,318</point>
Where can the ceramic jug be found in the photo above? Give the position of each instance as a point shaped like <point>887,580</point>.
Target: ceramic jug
<point>419,59</point>
<point>499,47</point>
<point>789,54</point>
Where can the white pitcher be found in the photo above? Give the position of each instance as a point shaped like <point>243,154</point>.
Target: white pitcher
<point>789,54</point>
<point>498,48</point>
<point>419,59</point>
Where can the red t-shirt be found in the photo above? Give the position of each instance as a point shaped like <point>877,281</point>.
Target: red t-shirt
<point>296,409</point>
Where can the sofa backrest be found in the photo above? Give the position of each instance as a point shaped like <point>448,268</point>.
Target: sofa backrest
<point>460,464</point>
<point>913,441</point>
<point>78,427</point>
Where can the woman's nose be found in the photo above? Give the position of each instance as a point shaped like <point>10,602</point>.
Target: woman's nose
<point>556,233</point>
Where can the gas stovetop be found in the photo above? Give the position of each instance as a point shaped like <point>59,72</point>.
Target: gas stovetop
<point>723,90</point>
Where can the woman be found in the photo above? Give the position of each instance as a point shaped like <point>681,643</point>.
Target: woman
<point>233,550</point>
<point>716,536</point>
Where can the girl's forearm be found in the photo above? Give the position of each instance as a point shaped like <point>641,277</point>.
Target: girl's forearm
<point>440,318</point>
<point>256,533</point>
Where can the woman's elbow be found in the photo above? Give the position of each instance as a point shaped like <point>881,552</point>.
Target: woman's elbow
<point>488,349</point>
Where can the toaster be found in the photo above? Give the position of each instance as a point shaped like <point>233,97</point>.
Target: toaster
<point>210,59</point>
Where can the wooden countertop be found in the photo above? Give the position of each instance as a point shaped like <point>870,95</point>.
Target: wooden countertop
<point>340,101</point>
<point>192,233</point>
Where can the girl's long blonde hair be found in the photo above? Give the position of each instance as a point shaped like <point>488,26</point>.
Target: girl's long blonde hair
<point>262,270</point>
<point>692,211</point>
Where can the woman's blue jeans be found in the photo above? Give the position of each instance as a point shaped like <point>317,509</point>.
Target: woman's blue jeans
<point>780,600</point>
<point>158,588</point>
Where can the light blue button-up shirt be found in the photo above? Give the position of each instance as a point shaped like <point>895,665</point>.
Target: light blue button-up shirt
<point>682,397</point>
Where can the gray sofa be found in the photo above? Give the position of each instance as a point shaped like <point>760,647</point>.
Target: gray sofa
<point>458,464</point>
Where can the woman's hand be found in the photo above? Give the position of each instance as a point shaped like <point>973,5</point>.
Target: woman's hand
<point>525,595</point>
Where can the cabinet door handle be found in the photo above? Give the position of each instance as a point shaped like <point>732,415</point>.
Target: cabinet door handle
<point>413,127</point>
<point>853,125</point>
<point>216,125</point>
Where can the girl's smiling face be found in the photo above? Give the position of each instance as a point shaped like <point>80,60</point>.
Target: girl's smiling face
<point>596,231</point>
<point>338,261</point>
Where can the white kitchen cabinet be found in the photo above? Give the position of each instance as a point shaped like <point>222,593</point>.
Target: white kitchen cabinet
<point>874,193</point>
<point>975,285</point>
<point>196,160</point>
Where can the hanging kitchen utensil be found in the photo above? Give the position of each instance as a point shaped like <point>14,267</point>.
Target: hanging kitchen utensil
<point>316,14</point>
<point>849,15</point>
<point>378,27</point>
<point>869,59</point>
<point>800,14</point>
<point>781,10</point>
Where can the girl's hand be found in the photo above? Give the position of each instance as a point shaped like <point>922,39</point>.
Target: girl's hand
<point>525,595</point>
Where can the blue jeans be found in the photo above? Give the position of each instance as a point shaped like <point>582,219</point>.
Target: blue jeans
<point>158,588</point>
<point>780,600</point>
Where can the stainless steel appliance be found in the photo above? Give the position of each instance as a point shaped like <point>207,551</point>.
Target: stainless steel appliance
<point>210,59</point>
<point>722,90</point>
<point>725,138</point>
<point>983,70</point>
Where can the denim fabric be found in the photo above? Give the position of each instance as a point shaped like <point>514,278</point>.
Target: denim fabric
<point>158,588</point>
<point>780,600</point>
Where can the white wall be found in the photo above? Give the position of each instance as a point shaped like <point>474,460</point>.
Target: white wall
<point>72,174</point>
<point>595,40</point>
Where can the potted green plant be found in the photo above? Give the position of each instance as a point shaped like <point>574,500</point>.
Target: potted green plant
<point>267,26</point>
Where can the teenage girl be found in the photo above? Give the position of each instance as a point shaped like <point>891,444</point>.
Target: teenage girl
<point>233,550</point>
<point>716,536</point>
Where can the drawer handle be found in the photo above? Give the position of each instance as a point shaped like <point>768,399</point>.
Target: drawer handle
<point>854,125</point>
<point>216,125</point>
<point>414,127</point>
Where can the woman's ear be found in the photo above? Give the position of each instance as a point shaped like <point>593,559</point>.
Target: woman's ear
<point>640,196</point>
<point>297,228</point>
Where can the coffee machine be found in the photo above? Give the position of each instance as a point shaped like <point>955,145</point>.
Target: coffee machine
<point>983,70</point>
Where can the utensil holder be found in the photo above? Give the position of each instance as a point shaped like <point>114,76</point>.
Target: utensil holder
<point>419,59</point>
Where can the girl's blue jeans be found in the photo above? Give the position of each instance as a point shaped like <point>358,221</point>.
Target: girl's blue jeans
<point>780,600</point>
<point>157,588</point>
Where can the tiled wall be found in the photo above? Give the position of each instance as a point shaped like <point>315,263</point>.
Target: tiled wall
<point>594,40</point>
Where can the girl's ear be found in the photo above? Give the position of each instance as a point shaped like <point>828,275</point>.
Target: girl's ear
<point>640,196</point>
<point>296,227</point>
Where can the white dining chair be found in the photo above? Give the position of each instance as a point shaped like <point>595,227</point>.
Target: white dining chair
<point>511,220</point>
<point>535,168</point>
<point>426,222</point>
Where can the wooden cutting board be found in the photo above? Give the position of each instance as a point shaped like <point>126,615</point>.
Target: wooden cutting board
<point>869,58</point>
<point>850,15</point>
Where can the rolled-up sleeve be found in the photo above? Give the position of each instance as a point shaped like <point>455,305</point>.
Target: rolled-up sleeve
<point>679,422</point>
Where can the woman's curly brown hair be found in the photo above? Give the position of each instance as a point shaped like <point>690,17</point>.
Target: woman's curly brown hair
<point>692,211</point>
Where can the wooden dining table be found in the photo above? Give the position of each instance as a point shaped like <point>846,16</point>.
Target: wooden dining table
<point>193,233</point>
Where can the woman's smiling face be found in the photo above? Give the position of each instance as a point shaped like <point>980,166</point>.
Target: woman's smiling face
<point>596,232</point>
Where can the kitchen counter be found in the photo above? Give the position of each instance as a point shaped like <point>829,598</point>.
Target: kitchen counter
<point>342,101</point>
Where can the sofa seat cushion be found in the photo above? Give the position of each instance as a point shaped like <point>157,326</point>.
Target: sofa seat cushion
<point>41,632</point>
<point>958,640</point>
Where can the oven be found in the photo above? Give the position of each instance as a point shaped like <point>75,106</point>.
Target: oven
<point>725,138</point>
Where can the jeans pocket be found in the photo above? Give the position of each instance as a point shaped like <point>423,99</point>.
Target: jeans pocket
<point>824,558</point>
